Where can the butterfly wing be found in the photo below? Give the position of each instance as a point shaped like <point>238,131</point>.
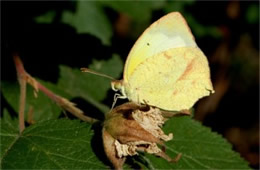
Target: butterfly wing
<point>171,80</point>
<point>170,31</point>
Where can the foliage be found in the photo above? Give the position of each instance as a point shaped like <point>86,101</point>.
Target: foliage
<point>54,143</point>
<point>83,20</point>
<point>66,144</point>
<point>40,113</point>
<point>200,147</point>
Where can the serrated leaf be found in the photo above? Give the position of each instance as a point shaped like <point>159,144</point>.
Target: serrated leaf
<point>91,87</point>
<point>53,144</point>
<point>200,147</point>
<point>43,107</point>
<point>11,123</point>
<point>89,18</point>
<point>9,129</point>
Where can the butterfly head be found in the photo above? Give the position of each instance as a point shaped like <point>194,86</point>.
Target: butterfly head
<point>118,85</point>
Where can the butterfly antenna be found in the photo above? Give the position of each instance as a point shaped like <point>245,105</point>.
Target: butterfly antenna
<point>96,73</point>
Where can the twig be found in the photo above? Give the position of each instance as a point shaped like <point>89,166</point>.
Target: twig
<point>62,102</point>
<point>22,81</point>
<point>22,104</point>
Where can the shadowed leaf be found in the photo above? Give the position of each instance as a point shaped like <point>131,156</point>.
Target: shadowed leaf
<point>200,147</point>
<point>53,144</point>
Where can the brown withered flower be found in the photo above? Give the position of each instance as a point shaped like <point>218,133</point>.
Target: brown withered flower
<point>130,128</point>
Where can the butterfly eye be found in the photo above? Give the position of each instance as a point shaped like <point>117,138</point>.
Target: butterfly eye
<point>116,85</point>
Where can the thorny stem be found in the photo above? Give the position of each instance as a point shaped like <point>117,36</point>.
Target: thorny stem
<point>24,78</point>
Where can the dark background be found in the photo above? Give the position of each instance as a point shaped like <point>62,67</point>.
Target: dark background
<point>232,111</point>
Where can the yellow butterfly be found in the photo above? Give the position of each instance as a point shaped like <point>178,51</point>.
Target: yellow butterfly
<point>165,67</point>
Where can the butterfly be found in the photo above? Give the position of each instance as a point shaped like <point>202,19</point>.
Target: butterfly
<point>165,68</point>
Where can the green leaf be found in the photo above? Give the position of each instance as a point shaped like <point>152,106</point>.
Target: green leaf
<point>43,107</point>
<point>9,130</point>
<point>53,144</point>
<point>91,87</point>
<point>135,9</point>
<point>89,18</point>
<point>46,18</point>
<point>178,6</point>
<point>252,14</point>
<point>55,89</point>
<point>11,123</point>
<point>200,147</point>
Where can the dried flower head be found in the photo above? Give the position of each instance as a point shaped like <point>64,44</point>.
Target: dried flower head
<point>130,128</point>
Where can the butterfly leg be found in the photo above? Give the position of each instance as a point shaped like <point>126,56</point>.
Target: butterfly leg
<point>117,96</point>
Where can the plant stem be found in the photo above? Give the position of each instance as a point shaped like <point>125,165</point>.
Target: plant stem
<point>22,81</point>
<point>62,102</point>
<point>65,104</point>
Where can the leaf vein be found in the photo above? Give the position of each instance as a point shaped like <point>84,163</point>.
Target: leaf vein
<point>77,160</point>
<point>63,139</point>
<point>10,146</point>
<point>43,151</point>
